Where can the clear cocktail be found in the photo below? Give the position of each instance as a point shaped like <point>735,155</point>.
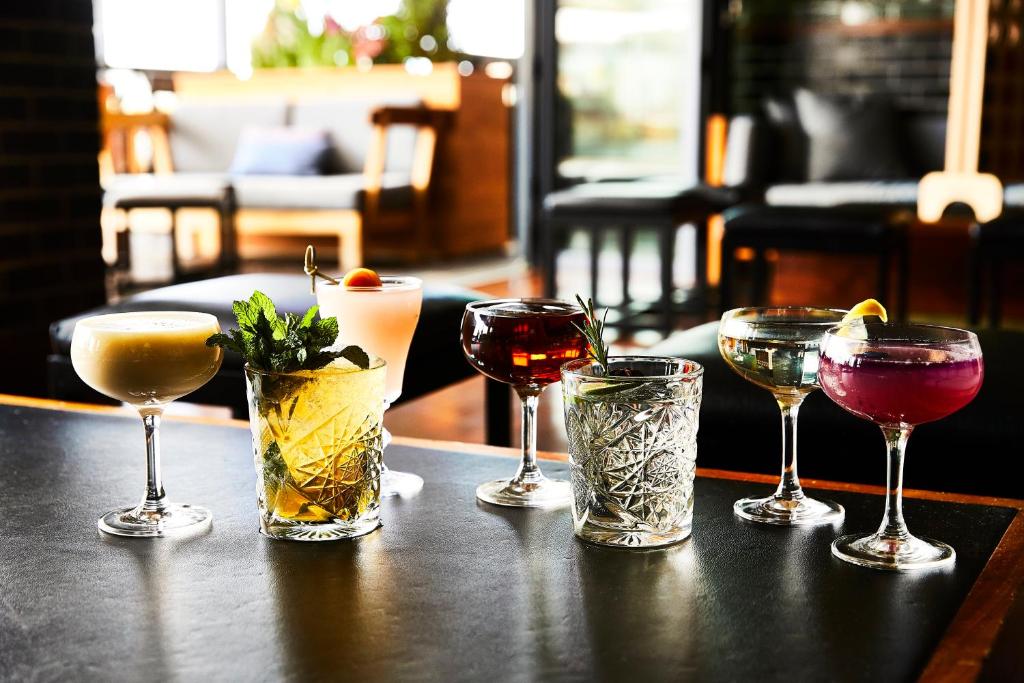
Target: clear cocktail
<point>382,321</point>
<point>777,349</point>
<point>898,376</point>
<point>148,359</point>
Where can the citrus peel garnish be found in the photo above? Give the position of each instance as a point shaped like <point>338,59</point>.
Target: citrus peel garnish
<point>361,277</point>
<point>866,308</point>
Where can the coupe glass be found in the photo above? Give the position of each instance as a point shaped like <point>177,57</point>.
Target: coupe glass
<point>148,359</point>
<point>898,376</point>
<point>777,349</point>
<point>523,342</point>
<point>382,321</point>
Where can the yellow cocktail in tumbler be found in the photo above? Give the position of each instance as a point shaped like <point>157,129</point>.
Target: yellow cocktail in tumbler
<point>148,359</point>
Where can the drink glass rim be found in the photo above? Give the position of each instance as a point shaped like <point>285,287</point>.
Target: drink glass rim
<point>389,283</point>
<point>574,369</point>
<point>967,336</point>
<point>88,320</point>
<point>735,314</point>
<point>475,306</point>
<point>376,363</point>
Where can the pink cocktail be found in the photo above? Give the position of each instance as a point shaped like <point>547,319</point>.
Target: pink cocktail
<point>897,385</point>
<point>898,376</point>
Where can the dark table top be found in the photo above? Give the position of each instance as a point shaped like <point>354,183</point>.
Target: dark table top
<point>449,589</point>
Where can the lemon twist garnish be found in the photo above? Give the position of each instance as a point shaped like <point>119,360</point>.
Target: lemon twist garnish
<point>866,308</point>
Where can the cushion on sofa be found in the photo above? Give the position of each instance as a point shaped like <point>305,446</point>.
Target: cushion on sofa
<point>740,426</point>
<point>316,192</point>
<point>348,121</point>
<point>280,150</point>
<point>204,135</point>
<point>787,145</point>
<point>164,186</point>
<point>435,357</point>
<point>1013,196</point>
<point>849,138</point>
<point>874,193</point>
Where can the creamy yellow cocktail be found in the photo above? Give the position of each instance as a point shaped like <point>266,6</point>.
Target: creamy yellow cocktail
<point>146,358</point>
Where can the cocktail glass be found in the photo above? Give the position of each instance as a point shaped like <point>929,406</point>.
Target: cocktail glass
<point>777,349</point>
<point>898,376</point>
<point>382,321</point>
<point>148,359</point>
<point>632,430</point>
<point>317,446</point>
<point>523,342</point>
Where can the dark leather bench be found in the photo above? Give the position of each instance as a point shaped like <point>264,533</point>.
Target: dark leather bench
<point>435,357</point>
<point>970,451</point>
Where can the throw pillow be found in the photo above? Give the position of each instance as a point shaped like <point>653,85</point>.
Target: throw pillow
<point>788,142</point>
<point>282,151</point>
<point>849,138</point>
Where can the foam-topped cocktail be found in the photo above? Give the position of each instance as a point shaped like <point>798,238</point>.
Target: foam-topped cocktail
<point>148,359</point>
<point>777,349</point>
<point>898,376</point>
<point>379,314</point>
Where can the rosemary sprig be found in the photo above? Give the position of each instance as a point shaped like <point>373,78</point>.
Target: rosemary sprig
<point>593,331</point>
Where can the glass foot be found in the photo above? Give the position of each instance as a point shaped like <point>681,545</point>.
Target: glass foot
<point>305,531</point>
<point>804,512</point>
<point>170,519</point>
<point>403,484</point>
<point>616,538</point>
<point>544,493</point>
<point>878,552</point>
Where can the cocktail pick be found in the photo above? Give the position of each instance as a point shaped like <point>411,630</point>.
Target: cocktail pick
<point>313,271</point>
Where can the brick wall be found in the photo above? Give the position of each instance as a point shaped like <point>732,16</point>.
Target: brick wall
<point>50,263</point>
<point>899,48</point>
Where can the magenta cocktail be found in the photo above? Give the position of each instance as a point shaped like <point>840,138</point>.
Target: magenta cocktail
<point>901,385</point>
<point>898,376</point>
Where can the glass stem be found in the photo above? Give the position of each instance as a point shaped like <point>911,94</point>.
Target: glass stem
<point>893,527</point>
<point>529,472</point>
<point>789,485</point>
<point>154,500</point>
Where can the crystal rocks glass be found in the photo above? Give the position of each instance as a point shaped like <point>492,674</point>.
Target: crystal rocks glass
<point>317,444</point>
<point>777,349</point>
<point>898,376</point>
<point>632,448</point>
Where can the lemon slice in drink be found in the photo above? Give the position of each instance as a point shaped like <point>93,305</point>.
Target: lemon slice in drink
<point>866,308</point>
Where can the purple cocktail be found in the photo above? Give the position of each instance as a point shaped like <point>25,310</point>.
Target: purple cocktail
<point>898,376</point>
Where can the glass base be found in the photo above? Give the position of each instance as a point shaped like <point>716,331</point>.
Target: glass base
<point>318,532</point>
<point>877,552</point>
<point>803,512</point>
<point>619,538</point>
<point>403,484</point>
<point>169,520</point>
<point>544,493</point>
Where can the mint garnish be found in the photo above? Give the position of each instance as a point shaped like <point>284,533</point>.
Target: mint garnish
<point>272,343</point>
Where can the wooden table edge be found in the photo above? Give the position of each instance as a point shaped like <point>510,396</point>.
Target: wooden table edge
<point>959,656</point>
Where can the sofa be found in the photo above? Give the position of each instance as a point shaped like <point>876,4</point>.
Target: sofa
<point>807,149</point>
<point>435,357</point>
<point>348,167</point>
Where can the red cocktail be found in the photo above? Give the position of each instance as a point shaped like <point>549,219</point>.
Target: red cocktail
<point>523,342</point>
<point>898,376</point>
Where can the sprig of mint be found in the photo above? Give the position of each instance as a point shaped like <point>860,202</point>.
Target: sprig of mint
<point>274,343</point>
